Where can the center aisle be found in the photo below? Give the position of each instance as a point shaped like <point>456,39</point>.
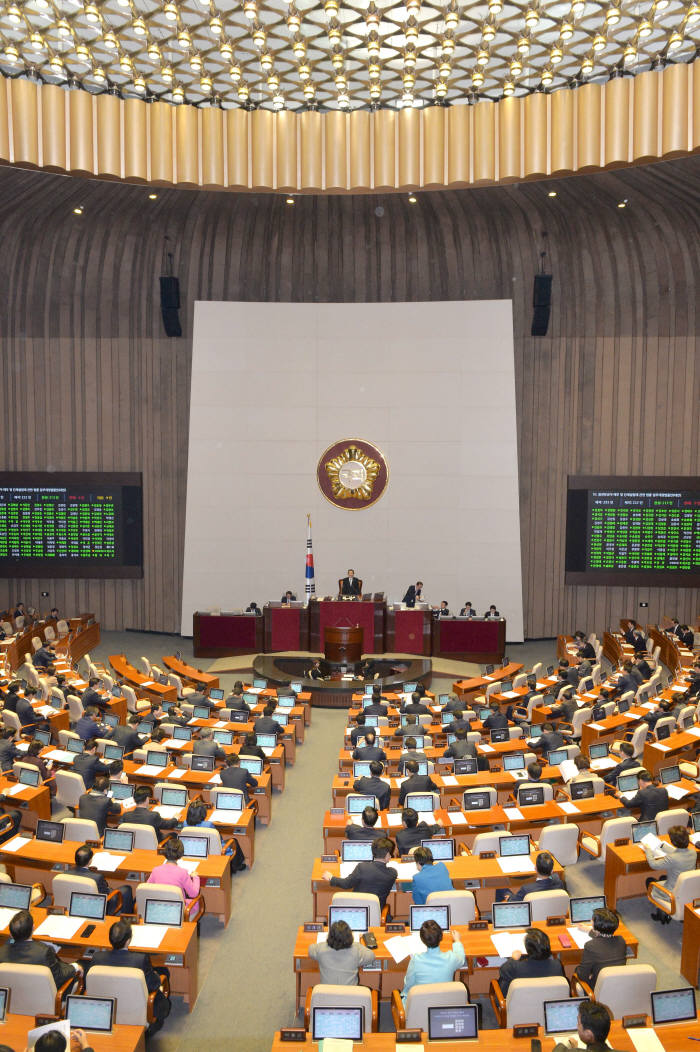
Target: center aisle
<point>246,980</point>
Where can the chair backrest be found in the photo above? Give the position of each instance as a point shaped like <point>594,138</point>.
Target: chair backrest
<point>548,790</point>
<point>128,985</point>
<point>19,621</point>
<point>580,717</point>
<point>356,898</point>
<point>327,995</point>
<point>80,829</point>
<point>176,682</point>
<point>515,732</point>
<point>75,708</point>
<point>107,681</point>
<point>675,816</point>
<point>639,736</point>
<point>435,797</point>
<point>432,995</point>
<point>626,989</point>
<point>6,627</point>
<point>64,884</point>
<point>614,829</point>
<point>525,998</point>
<point>520,680</point>
<point>59,700</point>
<point>11,721</point>
<point>213,837</point>
<point>537,669</point>
<point>69,788</point>
<point>485,789</point>
<point>145,838</point>
<point>49,632</point>
<point>156,891</point>
<point>488,841</point>
<point>687,888</point>
<point>561,841</point>
<point>462,904</point>
<point>18,766</point>
<point>63,735</point>
<point>493,688</point>
<point>62,627</point>
<point>36,643</point>
<point>146,665</point>
<point>102,744</point>
<point>32,988</point>
<point>130,695</point>
<point>543,904</point>
<point>687,710</point>
<point>665,721</point>
<point>596,675</point>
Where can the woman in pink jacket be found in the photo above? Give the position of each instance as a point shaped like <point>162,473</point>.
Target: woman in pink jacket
<point>171,873</point>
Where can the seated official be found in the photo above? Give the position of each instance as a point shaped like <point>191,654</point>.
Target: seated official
<point>627,762</point>
<point>414,594</point>
<point>593,1026</point>
<point>459,722</point>
<point>350,585</point>
<point>206,745</point>
<point>496,720</point>
<point>584,648</point>
<point>460,747</point>
<point>340,957</point>
<point>434,965</point>
<point>604,949</point>
<point>534,774</point>
<point>44,656</point>
<point>643,667</point>
<point>91,696</point>
<point>442,610</point>
<point>414,782</point>
<point>265,723</point>
<point>233,776</point>
<point>120,956</point>
<point>142,814</point>
<point>650,798</point>
<point>358,731</point>
<point>663,709</point>
<point>453,704</point>
<point>678,857</point>
<point>467,610</point>
<point>83,858</point>
<point>410,754</point>
<point>8,750</point>
<point>583,770</point>
<point>370,751</point>
<point>370,878</point>
<point>88,763</point>
<point>565,708</point>
<point>546,879</point>
<point>172,873</point>
<point>11,695</point>
<point>409,729</point>
<point>127,736</point>
<point>88,727</point>
<point>369,830</point>
<point>24,711</point>
<point>374,786</point>
<point>288,597</point>
<point>376,707</point>
<point>22,949</point>
<point>569,672</point>
<point>197,816</point>
<point>549,740</point>
<point>32,757</point>
<point>415,706</point>
<point>250,747</point>
<point>536,963</point>
<point>492,612</point>
<point>414,831</point>
<point>315,670</point>
<point>431,876</point>
<point>95,805</point>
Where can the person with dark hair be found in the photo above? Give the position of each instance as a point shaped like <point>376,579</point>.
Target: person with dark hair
<point>370,878</point>
<point>265,724</point>
<point>11,696</point>
<point>22,949</point>
<point>370,750</point>
<point>369,830</point>
<point>96,805</point>
<point>467,610</point>
<point>594,1021</point>
<point>197,816</point>
<point>414,594</point>
<point>376,707</point>
<point>315,672</point>
<point>492,613</point>
<point>206,745</point>
<point>87,726</point>
<point>460,748</point>
<point>442,610</point>
<point>549,740</point>
<point>565,707</point>
<point>605,949</point>
<point>431,876</point>
<point>172,873</point>
<point>413,831</point>
<point>453,703</point>
<point>643,667</point>
<point>142,814</point>
<point>91,696</point>
<point>340,957</point>
<point>127,736</point>
<point>627,762</point>
<point>83,858</point>
<point>358,731</point>
<point>88,763</point>
<point>374,785</point>
<point>415,706</point>
<point>233,776</point>
<point>496,720</point>
<point>650,798</point>
<point>414,782</point>
<point>288,597</point>
<point>410,752</point>
<point>250,747</point>
<point>546,879</point>
<point>585,649</point>
<point>44,657</point>
<point>434,965</point>
<point>8,750</point>
<point>24,711</point>
<point>54,1041</point>
<point>536,963</point>
<point>350,585</point>
<point>120,956</point>
<point>676,858</point>
<point>534,774</point>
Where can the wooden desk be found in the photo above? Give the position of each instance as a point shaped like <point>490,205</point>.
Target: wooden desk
<point>189,674</point>
<point>468,688</point>
<point>33,802</point>
<point>611,728</point>
<point>408,631</point>
<point>216,635</point>
<point>469,639</point>
<point>683,745</point>
<point>286,627</point>
<point>339,613</point>
<point>690,951</point>
<point>286,740</point>
<point>14,1030</point>
<point>146,687</point>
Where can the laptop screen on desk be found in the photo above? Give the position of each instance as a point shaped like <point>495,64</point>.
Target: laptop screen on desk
<point>511,915</point>
<point>29,776</point>
<point>116,691</point>
<point>455,1023</point>
<point>466,765</point>
<point>230,801</point>
<point>202,763</point>
<point>354,851</point>
<point>531,797</point>
<point>628,783</point>
<point>15,896</point>
<point>157,758</point>
<point>216,694</point>
<point>514,845</point>
<point>282,718</point>
<point>260,683</point>
<point>640,829</point>
<point>371,721</point>
<point>176,797</point>
<point>420,801</point>
<point>535,733</point>
<point>561,1017</point>
<point>223,737</point>
<point>51,831</point>
<point>581,908</point>
<point>670,774</point>
<point>297,687</point>
<point>239,716</point>
<point>286,701</point>
<point>75,745</point>
<point>163,911</point>
<point>581,790</point>
<point>92,907</point>
<point>266,741</point>
<point>442,850</point>
<point>663,732</point>
<point>557,756</point>
<point>447,717</point>
<point>250,699</point>
<point>114,752</point>
<point>476,801</point>
<point>182,734</point>
<point>599,750</point>
<point>195,846</point>
<point>421,914</point>
<point>356,804</point>
<point>673,1006</point>
<point>201,712</point>
<point>120,790</point>
<point>514,761</point>
<point>408,688</point>
<point>90,1013</point>
<point>356,917</point>
<point>251,764</point>
<point>40,735</point>
<point>119,839</point>
<point>500,734</point>
<point>360,769</point>
<point>342,1023</point>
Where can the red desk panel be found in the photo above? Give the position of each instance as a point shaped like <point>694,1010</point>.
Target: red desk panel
<point>473,639</point>
<point>336,613</point>
<point>286,628</point>
<point>218,634</point>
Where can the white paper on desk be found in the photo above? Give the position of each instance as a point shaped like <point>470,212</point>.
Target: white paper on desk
<point>174,743</point>
<point>60,927</point>
<point>106,861</point>
<point>179,773</point>
<point>190,864</point>
<point>267,749</point>
<point>517,775</point>
<point>356,820</point>
<point>6,915</point>
<point>650,705</point>
<point>516,864</point>
<point>551,679</point>
<point>645,1039</point>
<point>22,746</point>
<point>16,843</point>
<point>62,755</point>
<point>579,937</point>
<point>591,696</point>
<point>487,677</point>
<point>510,694</point>
<point>402,946</point>
<point>676,792</point>
<point>62,1025</point>
<point>167,810</point>
<point>12,790</point>
<point>679,690</point>
<point>336,1044</point>
<point>148,936</point>
<point>660,745</point>
<point>449,779</point>
<point>215,779</point>
<point>507,942</point>
<point>633,715</point>
<point>652,843</point>
<point>596,727</point>
<point>221,723</point>
<point>391,820</point>
<point>602,764</point>
<point>346,868</point>
<point>695,839</point>
<point>540,686</point>
<point>254,690</point>
<point>404,870</point>
<point>568,770</point>
<point>150,769</point>
<point>513,813</point>
<point>629,796</point>
<point>147,683</point>
<point>695,731</point>
<point>45,710</point>
<point>487,748</point>
<point>225,817</point>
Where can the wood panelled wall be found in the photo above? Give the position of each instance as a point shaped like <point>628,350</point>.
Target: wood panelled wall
<point>89,382</point>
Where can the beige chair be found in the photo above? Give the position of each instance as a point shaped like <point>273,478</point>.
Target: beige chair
<point>63,735</point>
<point>545,786</point>
<point>62,627</point>
<point>57,699</point>
<point>192,911</point>
<point>575,728</point>
<point>128,985</point>
<point>561,841</point>
<point>145,838</point>
<point>355,898</point>
<point>462,905</point>
<point>676,816</point>
<point>11,721</point>
<point>666,721</point>
<point>36,643</point>
<point>638,739</point>
<point>18,766</point>
<point>435,798</point>
<point>354,796</point>
<point>537,670</point>
<point>422,997</point>
<point>524,1002</point>
<point>49,633</point>
<point>146,666</point>
<point>545,904</point>
<point>493,797</point>
<point>80,829</point>
<point>488,841</point>
<point>325,995</point>
<point>75,708</point>
<point>69,788</point>
<point>626,989</point>
<point>673,903</point>
<point>493,688</point>
<point>7,628</point>
<point>215,845</point>
<point>222,790</point>
<point>38,889</point>
<point>134,704</point>
<point>520,680</point>
<point>613,829</point>
<point>32,989</point>
<point>64,885</point>
<point>29,673</point>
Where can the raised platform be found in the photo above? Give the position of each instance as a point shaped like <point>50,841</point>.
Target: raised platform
<point>281,670</point>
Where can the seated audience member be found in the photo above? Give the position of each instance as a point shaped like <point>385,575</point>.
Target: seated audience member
<point>370,878</point>
<point>568,672</point>
<point>340,957</point>
<point>370,750</point>
<point>414,782</point>
<point>96,805</point>
<point>91,696</point>
<point>374,785</point>
<point>358,731</point>
<point>172,873</point>
<point>83,858</point>
<point>434,965</point>
<point>650,798</point>
<point>409,729</point>
<point>43,657</point>
<point>233,776</point>
<point>442,610</point>
<point>120,956</point>
<point>206,745</point>
<point>548,741</point>
<point>604,949</point>
<point>594,1021</point>
<point>127,736</point>
<point>369,830</point>
<point>627,762</point>
<point>8,750</point>
<point>584,648</point>
<point>496,720</point>
<point>410,753</point>
<point>11,695</point>
<point>546,879</point>
<point>431,876</point>
<point>663,709</point>
<point>54,1041</point>
<point>461,747</point>
<point>315,671</point>
<point>583,770</point>
<point>142,814</point>
<point>536,963</point>
<point>678,857</point>
<point>376,707</point>
<point>24,710</point>
<point>534,774</point>
<point>415,706</point>
<point>459,722</point>
<point>87,726</point>
<point>250,747</point>
<point>453,703</point>
<point>32,757</point>
<point>88,763</point>
<point>22,949</point>
<point>413,831</point>
<point>235,700</point>
<point>265,724</point>
<point>565,707</point>
<point>643,667</point>
<point>197,816</point>
<point>627,681</point>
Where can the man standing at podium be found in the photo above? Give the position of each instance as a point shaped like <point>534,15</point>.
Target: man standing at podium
<point>350,585</point>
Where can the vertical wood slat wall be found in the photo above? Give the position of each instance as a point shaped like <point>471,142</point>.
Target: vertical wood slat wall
<point>87,380</point>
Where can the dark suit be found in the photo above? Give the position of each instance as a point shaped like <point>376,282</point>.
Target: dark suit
<point>411,596</point>
<point>548,742</point>
<point>368,878</point>
<point>408,838</point>
<point>495,722</point>
<point>89,766</point>
<point>369,752</point>
<point>127,737</point>
<point>288,599</point>
<point>459,749</point>
<point>688,638</point>
<point>30,952</point>
<point>601,953</point>
<point>492,613</point>
<point>471,612</point>
<point>208,748</point>
<point>612,775</point>
<point>145,817</point>
<point>528,969</point>
<point>25,713</point>
<point>587,651</point>
<point>443,613</point>
<point>238,778</point>
<point>93,697</point>
<point>375,787</point>
<point>8,753</point>
<point>644,669</point>
<point>415,708</point>
<point>350,586</point>
<point>266,725</point>
<point>353,832</point>
<point>564,709</point>
<point>253,750</point>
<point>42,658</point>
<point>87,728</point>
<point>358,732</point>
<point>377,708</point>
<point>650,801</point>
<point>416,783</point>
<point>552,883</point>
<point>97,806</point>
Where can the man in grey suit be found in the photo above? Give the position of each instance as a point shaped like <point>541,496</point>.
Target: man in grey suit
<point>206,746</point>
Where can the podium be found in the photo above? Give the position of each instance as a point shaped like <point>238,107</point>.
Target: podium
<point>338,613</point>
<point>343,646</point>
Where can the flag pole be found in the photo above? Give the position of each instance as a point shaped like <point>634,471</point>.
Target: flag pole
<point>309,578</point>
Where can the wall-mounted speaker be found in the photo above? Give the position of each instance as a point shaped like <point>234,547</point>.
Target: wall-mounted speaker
<point>541,302</point>
<point>170,305</point>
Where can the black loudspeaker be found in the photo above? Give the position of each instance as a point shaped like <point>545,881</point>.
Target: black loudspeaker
<point>170,305</point>
<point>541,302</point>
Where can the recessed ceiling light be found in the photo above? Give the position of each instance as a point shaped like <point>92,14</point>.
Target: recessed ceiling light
<point>290,200</point>
<point>622,204</point>
<point>152,197</point>
<point>78,211</point>
<point>552,193</point>
<point>412,199</point>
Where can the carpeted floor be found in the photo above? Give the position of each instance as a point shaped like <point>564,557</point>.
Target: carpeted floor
<point>245,972</point>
